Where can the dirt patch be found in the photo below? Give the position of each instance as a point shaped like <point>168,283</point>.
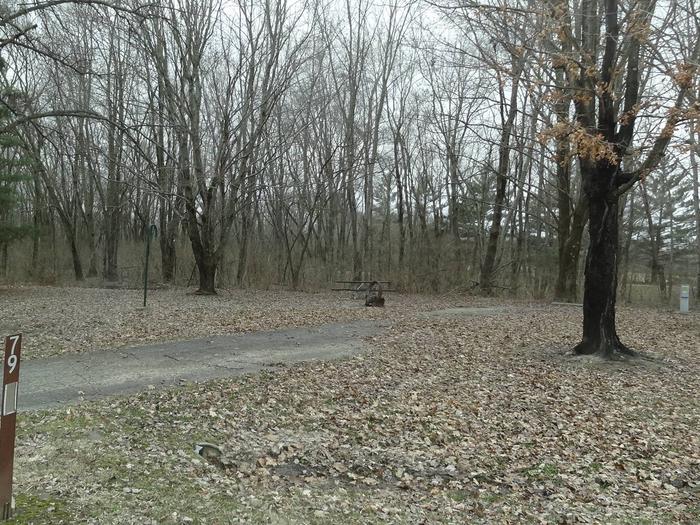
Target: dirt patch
<point>564,356</point>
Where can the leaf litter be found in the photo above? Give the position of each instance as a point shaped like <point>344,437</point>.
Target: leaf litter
<point>443,420</point>
<point>61,320</point>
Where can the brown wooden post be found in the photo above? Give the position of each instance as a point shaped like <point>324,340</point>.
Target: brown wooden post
<point>8,419</point>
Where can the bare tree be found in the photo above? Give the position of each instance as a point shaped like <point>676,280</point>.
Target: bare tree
<point>605,72</point>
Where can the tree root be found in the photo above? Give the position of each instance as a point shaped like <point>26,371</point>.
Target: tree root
<point>613,350</point>
<point>204,292</point>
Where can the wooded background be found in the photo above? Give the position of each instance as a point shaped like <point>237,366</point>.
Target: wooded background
<point>285,143</point>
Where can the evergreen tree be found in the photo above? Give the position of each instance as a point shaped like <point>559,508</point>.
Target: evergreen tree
<point>14,168</point>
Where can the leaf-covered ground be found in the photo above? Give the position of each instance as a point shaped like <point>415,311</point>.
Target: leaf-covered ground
<point>59,320</point>
<point>444,420</point>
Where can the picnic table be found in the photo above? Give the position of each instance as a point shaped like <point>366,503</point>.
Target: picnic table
<point>372,289</point>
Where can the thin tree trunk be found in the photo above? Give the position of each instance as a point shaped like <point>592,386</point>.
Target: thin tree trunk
<point>625,285</point>
<point>399,199</point>
<point>38,222</point>
<point>243,249</point>
<point>4,260</point>
<point>566,287</point>
<point>168,255</point>
<point>696,203</point>
<point>488,268</point>
<point>75,254</point>
<point>669,286</point>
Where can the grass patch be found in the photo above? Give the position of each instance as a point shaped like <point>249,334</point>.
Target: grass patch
<point>34,510</point>
<point>542,471</point>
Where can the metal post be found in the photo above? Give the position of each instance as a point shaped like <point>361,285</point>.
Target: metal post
<point>151,231</point>
<point>8,420</point>
<point>685,296</point>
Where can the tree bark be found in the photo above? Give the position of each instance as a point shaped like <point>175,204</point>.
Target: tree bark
<point>75,254</point>
<point>243,247</point>
<point>625,286</point>
<point>399,198</point>
<point>599,297</point>
<point>207,275</point>
<point>168,255</point>
<point>566,287</point>
<point>112,227</point>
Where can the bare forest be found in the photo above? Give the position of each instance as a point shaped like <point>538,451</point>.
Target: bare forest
<point>446,146</point>
<point>522,179</point>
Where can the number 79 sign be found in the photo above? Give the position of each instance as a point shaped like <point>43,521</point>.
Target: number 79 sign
<point>8,420</point>
<point>13,349</point>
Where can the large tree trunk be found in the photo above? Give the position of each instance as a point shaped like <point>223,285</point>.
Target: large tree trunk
<point>206,267</point>
<point>599,297</point>
<point>200,237</point>
<point>207,263</point>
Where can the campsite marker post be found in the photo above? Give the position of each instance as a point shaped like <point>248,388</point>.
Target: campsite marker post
<point>8,420</point>
<point>685,296</point>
